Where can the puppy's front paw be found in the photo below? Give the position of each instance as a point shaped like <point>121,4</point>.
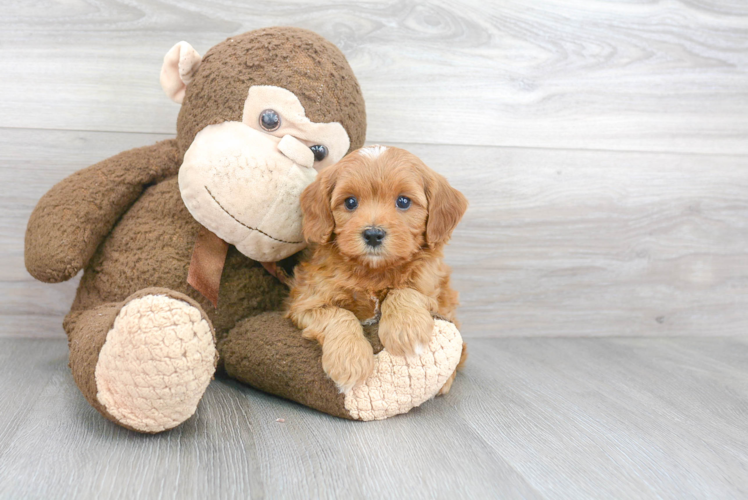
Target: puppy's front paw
<point>347,359</point>
<point>404,333</point>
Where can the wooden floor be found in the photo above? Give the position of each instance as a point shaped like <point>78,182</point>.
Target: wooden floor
<point>602,265</point>
<point>529,418</point>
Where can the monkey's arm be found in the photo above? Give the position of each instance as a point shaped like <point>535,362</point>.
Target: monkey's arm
<point>74,216</point>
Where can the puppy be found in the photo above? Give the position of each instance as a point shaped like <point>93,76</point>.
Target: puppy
<point>377,221</point>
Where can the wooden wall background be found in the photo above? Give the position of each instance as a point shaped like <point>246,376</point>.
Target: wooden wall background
<point>603,144</point>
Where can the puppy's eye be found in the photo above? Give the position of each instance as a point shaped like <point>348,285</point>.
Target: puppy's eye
<point>320,152</point>
<point>269,120</point>
<point>403,202</point>
<point>351,203</point>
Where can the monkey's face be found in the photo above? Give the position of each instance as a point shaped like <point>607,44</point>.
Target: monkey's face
<point>242,180</point>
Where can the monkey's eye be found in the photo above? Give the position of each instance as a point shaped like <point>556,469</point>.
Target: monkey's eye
<point>269,120</point>
<point>351,203</point>
<point>403,202</point>
<point>320,152</point>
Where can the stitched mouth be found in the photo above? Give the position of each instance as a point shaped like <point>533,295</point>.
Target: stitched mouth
<point>248,227</point>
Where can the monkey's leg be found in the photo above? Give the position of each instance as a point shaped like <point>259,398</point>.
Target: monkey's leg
<point>268,352</point>
<point>143,363</point>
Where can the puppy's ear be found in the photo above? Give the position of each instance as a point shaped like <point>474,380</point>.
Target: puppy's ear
<point>315,206</point>
<point>446,207</point>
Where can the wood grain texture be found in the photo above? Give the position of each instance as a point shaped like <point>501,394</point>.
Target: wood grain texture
<point>555,243</point>
<point>598,243</point>
<point>653,76</point>
<point>614,418</point>
<point>528,418</point>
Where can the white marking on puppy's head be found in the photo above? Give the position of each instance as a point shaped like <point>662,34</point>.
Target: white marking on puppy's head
<point>372,152</point>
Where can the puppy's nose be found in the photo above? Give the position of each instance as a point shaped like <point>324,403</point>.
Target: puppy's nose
<point>373,236</point>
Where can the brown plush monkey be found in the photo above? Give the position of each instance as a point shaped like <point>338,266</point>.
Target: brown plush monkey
<point>261,113</point>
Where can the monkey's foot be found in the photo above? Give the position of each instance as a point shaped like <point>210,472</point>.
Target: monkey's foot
<point>400,383</point>
<point>156,363</point>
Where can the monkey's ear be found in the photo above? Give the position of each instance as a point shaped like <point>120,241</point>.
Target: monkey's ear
<point>446,207</point>
<point>180,64</point>
<point>319,222</point>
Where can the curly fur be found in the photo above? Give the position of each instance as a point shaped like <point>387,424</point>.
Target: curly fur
<point>345,281</point>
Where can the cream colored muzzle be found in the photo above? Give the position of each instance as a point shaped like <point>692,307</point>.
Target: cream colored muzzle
<point>244,185</point>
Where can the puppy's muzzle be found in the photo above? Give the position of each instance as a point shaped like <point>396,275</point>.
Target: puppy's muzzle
<point>373,236</point>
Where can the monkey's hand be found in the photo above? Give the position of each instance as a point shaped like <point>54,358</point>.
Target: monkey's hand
<point>74,216</point>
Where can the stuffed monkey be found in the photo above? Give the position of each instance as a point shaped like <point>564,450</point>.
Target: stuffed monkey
<point>184,244</point>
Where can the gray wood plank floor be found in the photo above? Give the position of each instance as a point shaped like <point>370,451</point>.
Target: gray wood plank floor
<point>528,418</point>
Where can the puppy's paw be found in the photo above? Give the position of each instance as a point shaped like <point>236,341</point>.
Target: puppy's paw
<point>347,359</point>
<point>404,333</point>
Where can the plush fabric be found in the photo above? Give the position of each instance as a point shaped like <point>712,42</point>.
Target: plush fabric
<point>235,182</point>
<point>206,265</point>
<point>268,343</point>
<point>124,222</point>
<point>72,219</point>
<point>399,384</point>
<point>157,361</point>
<point>291,58</point>
<point>296,122</point>
<point>180,64</point>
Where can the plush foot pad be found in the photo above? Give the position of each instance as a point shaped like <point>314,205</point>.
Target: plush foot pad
<point>156,363</point>
<point>399,383</point>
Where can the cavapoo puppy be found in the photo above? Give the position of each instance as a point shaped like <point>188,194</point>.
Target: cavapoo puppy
<point>377,221</point>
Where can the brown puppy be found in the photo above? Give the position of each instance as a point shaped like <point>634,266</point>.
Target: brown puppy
<point>378,220</point>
